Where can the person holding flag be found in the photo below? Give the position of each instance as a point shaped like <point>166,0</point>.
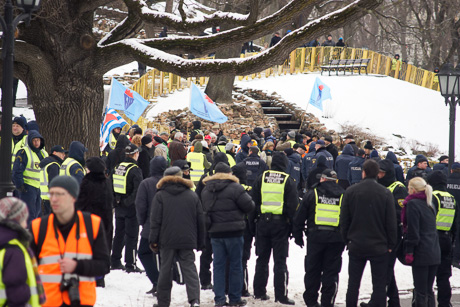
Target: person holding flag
<point>110,130</point>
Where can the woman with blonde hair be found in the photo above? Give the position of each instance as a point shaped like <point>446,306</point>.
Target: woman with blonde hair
<point>267,152</point>
<point>421,245</point>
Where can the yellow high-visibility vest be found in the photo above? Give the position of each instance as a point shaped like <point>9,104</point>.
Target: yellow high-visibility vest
<point>273,183</point>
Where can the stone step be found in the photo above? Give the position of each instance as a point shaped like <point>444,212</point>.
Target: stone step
<point>287,116</point>
<point>288,122</point>
<point>272,109</point>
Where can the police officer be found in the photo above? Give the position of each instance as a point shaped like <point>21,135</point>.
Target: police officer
<point>275,197</point>
<point>74,164</point>
<point>446,224</point>
<point>19,137</point>
<point>26,173</point>
<point>254,165</point>
<point>320,208</point>
<point>50,167</point>
<point>453,187</point>
<point>355,169</point>
<point>113,138</point>
<point>126,180</point>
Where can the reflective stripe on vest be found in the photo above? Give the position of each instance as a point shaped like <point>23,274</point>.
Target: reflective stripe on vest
<point>197,167</point>
<point>112,141</point>
<point>272,189</point>
<point>31,174</point>
<point>395,184</point>
<point>231,160</point>
<point>34,300</point>
<point>327,210</point>
<point>446,210</point>
<point>44,182</point>
<point>15,148</point>
<point>120,177</point>
<point>51,251</point>
<point>221,148</point>
<point>67,164</point>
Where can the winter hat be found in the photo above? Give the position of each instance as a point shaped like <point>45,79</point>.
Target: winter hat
<point>303,147</point>
<point>308,133</point>
<point>368,145</point>
<point>95,165</point>
<point>288,151</point>
<point>455,165</point>
<point>32,125</point>
<point>158,139</point>
<point>239,171</point>
<point>21,121</point>
<point>131,149</point>
<point>58,148</point>
<point>384,166</point>
<point>254,149</point>
<point>328,138</point>
<point>221,167</point>
<point>374,154</point>
<point>320,142</point>
<point>67,183</point>
<point>436,178</point>
<point>223,138</point>
<point>361,152</point>
<point>207,137</point>
<point>443,157</point>
<point>291,134</point>
<point>146,139</point>
<point>267,132</point>
<point>229,146</point>
<point>349,137</point>
<point>182,164</point>
<point>173,171</point>
<point>137,131</point>
<point>258,130</point>
<point>12,208</point>
<point>328,174</point>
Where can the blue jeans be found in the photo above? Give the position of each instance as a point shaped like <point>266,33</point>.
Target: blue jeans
<point>231,250</point>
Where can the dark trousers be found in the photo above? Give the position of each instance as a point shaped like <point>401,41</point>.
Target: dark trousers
<point>272,235</point>
<point>379,267</point>
<point>392,288</point>
<point>31,196</point>
<point>205,263</point>
<point>423,284</point>
<point>344,183</point>
<point>248,237</point>
<point>126,235</point>
<point>444,271</point>
<point>323,263</point>
<point>149,260</point>
<point>186,260</point>
<point>46,207</point>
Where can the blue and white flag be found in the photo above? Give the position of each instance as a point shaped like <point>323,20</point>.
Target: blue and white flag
<point>111,120</point>
<point>202,106</point>
<point>320,93</point>
<point>126,100</point>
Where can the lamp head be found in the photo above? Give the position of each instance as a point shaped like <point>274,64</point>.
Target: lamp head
<point>28,6</point>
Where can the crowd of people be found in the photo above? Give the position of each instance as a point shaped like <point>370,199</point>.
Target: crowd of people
<point>181,193</point>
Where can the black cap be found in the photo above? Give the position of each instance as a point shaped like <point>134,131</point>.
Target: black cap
<point>443,157</point>
<point>328,138</point>
<point>131,149</point>
<point>384,166</point>
<point>58,148</point>
<point>368,145</point>
<point>328,174</point>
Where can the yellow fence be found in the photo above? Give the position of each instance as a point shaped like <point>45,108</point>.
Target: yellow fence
<point>302,60</point>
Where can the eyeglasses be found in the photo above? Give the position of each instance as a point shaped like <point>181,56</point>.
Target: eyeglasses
<point>57,194</point>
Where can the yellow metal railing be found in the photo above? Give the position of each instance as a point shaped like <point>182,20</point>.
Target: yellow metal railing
<point>302,60</point>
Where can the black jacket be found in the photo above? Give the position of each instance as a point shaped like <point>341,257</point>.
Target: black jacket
<point>144,161</point>
<point>117,155</point>
<point>225,202</point>
<point>196,130</point>
<point>133,181</point>
<point>255,167</point>
<point>177,220</point>
<point>332,149</point>
<point>53,170</point>
<point>312,179</point>
<point>422,238</point>
<point>146,193</point>
<point>307,212</point>
<point>453,186</point>
<point>291,199</point>
<point>398,169</point>
<point>368,218</point>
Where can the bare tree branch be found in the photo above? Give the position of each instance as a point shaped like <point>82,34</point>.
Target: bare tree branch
<point>90,5</point>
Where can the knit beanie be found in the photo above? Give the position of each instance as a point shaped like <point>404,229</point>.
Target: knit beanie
<point>173,171</point>
<point>221,167</point>
<point>229,146</point>
<point>12,208</point>
<point>368,145</point>
<point>68,183</point>
<point>146,139</point>
<point>95,165</point>
<point>21,121</point>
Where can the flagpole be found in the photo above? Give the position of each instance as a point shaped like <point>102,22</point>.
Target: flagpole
<point>303,117</point>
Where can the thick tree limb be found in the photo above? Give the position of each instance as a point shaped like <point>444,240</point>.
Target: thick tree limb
<point>133,49</point>
<point>90,5</point>
<point>34,58</point>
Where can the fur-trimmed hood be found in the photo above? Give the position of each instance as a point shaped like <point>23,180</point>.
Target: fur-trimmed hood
<point>174,180</point>
<point>11,230</point>
<point>219,181</point>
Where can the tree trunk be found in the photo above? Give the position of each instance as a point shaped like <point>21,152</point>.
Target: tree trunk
<point>220,88</point>
<point>69,110</point>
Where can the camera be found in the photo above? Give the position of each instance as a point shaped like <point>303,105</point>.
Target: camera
<point>71,285</point>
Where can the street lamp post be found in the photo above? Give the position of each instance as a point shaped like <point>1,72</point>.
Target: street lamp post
<point>449,84</point>
<point>9,25</point>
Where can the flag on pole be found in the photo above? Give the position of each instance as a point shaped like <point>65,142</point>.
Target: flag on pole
<point>320,93</point>
<point>202,106</point>
<point>111,120</point>
<point>126,100</point>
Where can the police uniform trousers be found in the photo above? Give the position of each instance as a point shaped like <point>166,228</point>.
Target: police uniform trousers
<point>323,263</point>
<point>149,260</point>
<point>46,208</point>
<point>248,237</point>
<point>32,197</point>
<point>444,271</point>
<point>205,262</point>
<point>392,287</point>
<point>272,234</point>
<point>126,235</point>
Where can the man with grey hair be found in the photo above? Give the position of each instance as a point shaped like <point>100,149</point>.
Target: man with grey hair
<point>177,150</point>
<point>177,227</point>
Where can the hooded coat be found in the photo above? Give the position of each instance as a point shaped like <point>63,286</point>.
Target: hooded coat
<point>355,170</point>
<point>414,171</point>
<point>255,167</point>
<point>20,163</point>
<point>53,170</point>
<point>321,165</point>
<point>177,220</point>
<point>308,160</point>
<point>144,161</point>
<point>294,166</point>
<point>196,130</point>
<point>96,195</point>
<point>14,273</point>
<point>77,151</point>
<point>399,174</point>
<point>226,204</point>
<point>117,155</point>
<point>342,162</point>
<point>146,192</point>
<point>322,151</point>
<point>244,151</point>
